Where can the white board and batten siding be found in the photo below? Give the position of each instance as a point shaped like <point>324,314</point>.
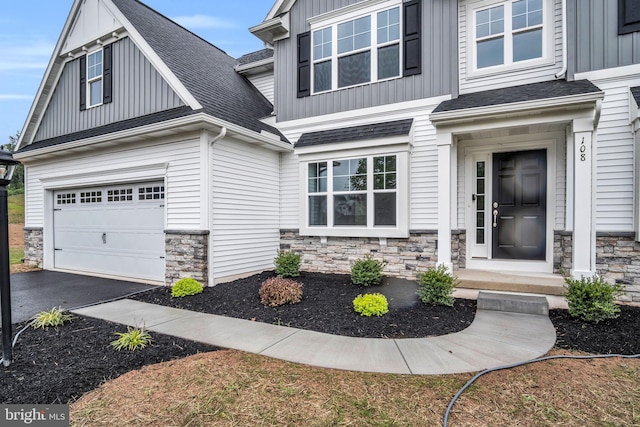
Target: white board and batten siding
<point>245,209</point>
<point>615,149</point>
<point>423,164</point>
<point>469,83</point>
<point>174,163</point>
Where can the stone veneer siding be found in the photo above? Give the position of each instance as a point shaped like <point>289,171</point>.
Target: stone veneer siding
<point>562,251</point>
<point>186,255</point>
<point>403,257</point>
<point>33,246</point>
<point>618,259</point>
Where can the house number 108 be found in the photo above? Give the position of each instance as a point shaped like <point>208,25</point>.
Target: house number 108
<point>583,149</point>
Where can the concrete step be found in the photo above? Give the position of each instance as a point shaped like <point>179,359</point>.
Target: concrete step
<point>512,303</point>
<point>532,283</point>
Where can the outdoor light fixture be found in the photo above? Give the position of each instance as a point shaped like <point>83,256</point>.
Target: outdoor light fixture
<point>7,167</point>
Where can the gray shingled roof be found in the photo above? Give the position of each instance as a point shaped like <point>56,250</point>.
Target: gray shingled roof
<point>635,92</point>
<point>207,72</point>
<point>255,56</point>
<point>529,92</point>
<point>135,122</point>
<point>356,133</point>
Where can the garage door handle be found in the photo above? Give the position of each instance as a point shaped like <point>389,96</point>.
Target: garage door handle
<point>104,238</point>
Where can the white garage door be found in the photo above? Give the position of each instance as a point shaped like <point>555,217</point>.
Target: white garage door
<point>115,230</point>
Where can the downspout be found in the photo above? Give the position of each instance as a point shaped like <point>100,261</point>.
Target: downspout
<point>563,72</point>
<point>218,137</point>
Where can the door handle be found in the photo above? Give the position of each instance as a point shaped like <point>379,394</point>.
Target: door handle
<point>495,214</point>
<point>104,238</point>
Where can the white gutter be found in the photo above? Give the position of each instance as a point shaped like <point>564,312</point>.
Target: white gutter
<point>441,118</point>
<point>195,119</point>
<point>563,72</point>
<point>218,137</point>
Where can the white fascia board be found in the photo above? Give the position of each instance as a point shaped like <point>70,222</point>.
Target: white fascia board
<point>514,108</point>
<point>365,146</point>
<point>280,6</point>
<point>248,68</point>
<point>153,58</point>
<point>196,119</point>
<point>37,106</point>
<point>273,29</point>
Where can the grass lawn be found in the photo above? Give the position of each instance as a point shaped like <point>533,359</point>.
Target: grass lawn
<point>16,209</point>
<point>16,255</point>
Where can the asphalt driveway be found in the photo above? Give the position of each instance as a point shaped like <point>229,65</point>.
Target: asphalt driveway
<point>36,291</point>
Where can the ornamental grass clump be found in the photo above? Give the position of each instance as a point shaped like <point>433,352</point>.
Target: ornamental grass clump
<point>278,291</point>
<point>287,264</point>
<point>436,286</point>
<point>367,271</point>
<point>134,339</point>
<point>54,317</point>
<point>371,305</point>
<point>592,299</point>
<point>186,287</point>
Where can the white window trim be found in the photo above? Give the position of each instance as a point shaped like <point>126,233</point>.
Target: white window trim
<point>353,151</point>
<point>334,18</point>
<point>95,79</point>
<point>548,35</point>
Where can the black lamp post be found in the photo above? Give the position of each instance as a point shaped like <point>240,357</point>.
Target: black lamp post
<point>7,167</point>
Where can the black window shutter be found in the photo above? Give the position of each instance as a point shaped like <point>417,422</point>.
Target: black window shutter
<point>107,82</point>
<point>83,83</point>
<point>411,38</point>
<point>628,16</point>
<point>304,64</point>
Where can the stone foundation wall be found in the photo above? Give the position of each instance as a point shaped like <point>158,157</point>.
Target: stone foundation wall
<point>186,255</point>
<point>403,257</point>
<point>33,246</point>
<point>562,252</point>
<point>618,259</point>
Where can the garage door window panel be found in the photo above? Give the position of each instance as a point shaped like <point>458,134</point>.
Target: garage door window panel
<point>66,199</point>
<point>90,197</point>
<point>151,193</point>
<point>120,195</point>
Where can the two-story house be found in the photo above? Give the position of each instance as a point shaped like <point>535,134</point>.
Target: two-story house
<point>478,134</point>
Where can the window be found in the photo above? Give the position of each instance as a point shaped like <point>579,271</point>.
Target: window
<point>151,193</point>
<point>354,192</point>
<point>94,78</point>
<point>509,33</point>
<point>91,197</point>
<point>66,199</point>
<point>357,51</point>
<point>120,195</point>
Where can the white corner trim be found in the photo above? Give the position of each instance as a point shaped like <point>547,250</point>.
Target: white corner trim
<point>153,58</point>
<point>105,176</point>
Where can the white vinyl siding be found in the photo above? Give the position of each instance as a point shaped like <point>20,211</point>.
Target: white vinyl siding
<point>615,154</point>
<point>245,212</point>
<point>264,83</point>
<point>508,77</point>
<point>182,177</point>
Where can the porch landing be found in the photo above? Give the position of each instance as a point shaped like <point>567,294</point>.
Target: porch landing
<point>532,283</point>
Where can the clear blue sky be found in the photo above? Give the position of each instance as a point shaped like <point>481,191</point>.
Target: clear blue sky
<point>29,30</point>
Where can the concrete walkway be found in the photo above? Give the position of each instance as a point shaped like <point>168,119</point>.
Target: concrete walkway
<point>503,332</point>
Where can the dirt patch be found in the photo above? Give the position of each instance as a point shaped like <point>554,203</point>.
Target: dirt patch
<point>16,235</point>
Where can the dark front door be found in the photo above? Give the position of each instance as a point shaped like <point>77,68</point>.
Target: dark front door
<point>519,205</point>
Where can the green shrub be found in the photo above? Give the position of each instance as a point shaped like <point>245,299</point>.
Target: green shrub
<point>367,271</point>
<point>287,264</point>
<point>371,305</point>
<point>133,339</point>
<point>54,317</point>
<point>592,299</point>
<point>185,287</point>
<point>278,291</point>
<point>436,286</point>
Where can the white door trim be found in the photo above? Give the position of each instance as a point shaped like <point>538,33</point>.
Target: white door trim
<point>476,151</point>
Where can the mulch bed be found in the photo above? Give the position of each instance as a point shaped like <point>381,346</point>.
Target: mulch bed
<point>59,365</point>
